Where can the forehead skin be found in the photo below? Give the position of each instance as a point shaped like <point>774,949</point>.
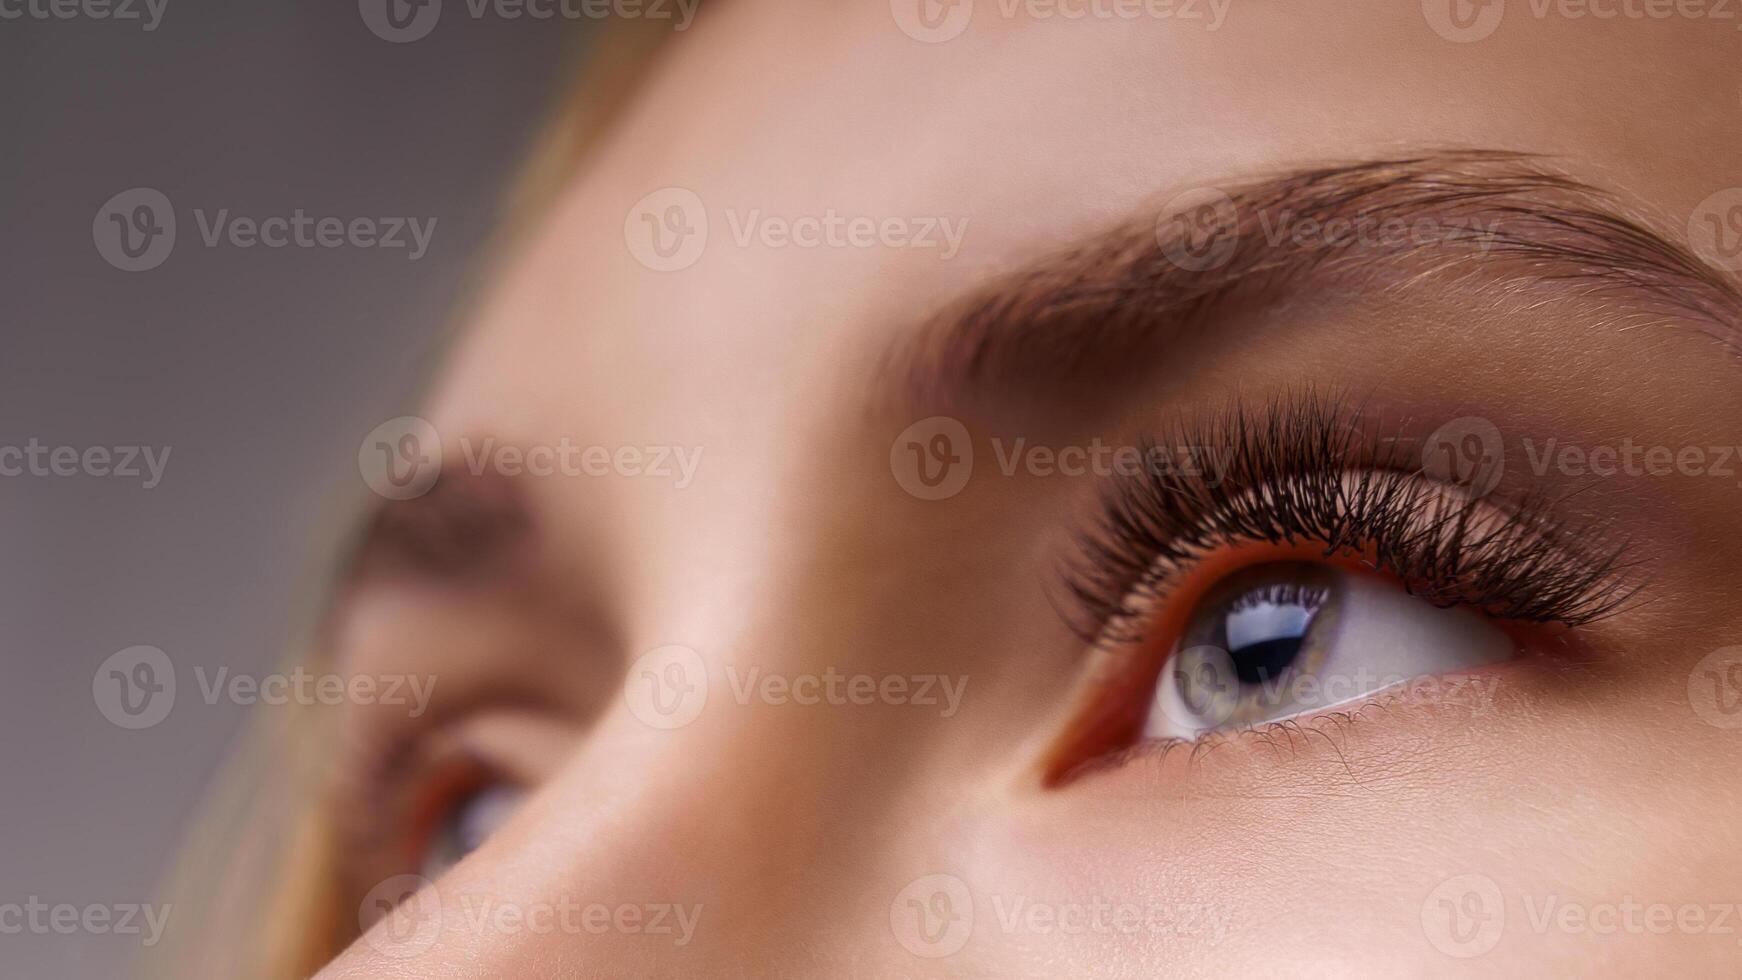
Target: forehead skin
<point>1033,132</point>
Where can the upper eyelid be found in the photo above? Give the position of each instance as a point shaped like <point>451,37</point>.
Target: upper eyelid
<point>1576,572</point>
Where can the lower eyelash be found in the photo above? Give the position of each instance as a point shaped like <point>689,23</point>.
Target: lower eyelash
<point>1289,734</point>
<point>1287,738</point>
<point>1309,470</point>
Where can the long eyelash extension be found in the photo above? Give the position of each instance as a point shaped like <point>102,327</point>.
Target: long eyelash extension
<point>1306,469</point>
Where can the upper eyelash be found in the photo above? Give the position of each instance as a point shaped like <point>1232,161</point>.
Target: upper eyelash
<point>1307,468</point>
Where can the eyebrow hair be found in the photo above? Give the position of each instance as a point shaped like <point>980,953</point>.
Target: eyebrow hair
<point>1094,314</point>
<point>467,528</point>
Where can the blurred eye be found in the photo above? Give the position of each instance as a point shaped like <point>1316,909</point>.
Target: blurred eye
<point>466,825</point>
<point>1278,640</point>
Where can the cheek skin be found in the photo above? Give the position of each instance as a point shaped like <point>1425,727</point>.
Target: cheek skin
<point>1328,837</point>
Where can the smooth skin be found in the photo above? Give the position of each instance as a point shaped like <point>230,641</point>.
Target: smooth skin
<point>795,828</point>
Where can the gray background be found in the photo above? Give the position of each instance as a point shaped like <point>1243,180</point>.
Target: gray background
<point>261,368</point>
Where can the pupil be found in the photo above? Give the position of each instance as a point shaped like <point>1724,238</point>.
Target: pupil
<point>1265,660</point>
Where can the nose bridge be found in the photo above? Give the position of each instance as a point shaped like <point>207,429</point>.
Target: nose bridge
<point>730,841</point>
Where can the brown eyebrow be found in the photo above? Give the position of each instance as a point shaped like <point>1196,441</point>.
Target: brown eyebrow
<point>1091,315</point>
<point>468,528</point>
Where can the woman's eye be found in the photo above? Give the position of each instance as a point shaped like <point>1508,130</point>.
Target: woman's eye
<point>1278,640</point>
<point>466,824</point>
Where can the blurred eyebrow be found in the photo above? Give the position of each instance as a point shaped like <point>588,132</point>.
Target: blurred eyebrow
<point>1075,322</point>
<point>469,528</point>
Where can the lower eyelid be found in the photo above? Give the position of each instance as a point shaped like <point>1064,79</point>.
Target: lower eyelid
<point>1336,736</point>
